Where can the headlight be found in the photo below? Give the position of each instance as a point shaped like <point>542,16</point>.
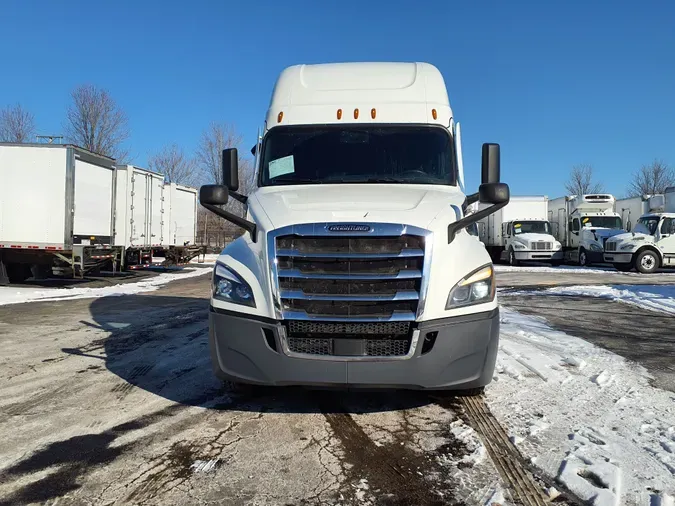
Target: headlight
<point>519,245</point>
<point>476,288</point>
<point>595,247</point>
<point>230,287</point>
<point>626,247</point>
<point>557,245</point>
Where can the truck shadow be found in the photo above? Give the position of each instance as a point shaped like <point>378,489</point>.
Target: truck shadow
<point>160,344</point>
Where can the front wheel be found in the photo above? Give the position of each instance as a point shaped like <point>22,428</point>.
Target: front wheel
<point>647,262</point>
<point>623,267</point>
<point>583,258</point>
<point>513,261</point>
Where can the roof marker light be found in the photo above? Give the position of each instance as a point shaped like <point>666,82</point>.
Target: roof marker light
<point>373,112</point>
<point>356,114</point>
<point>339,114</point>
<point>434,114</point>
<point>280,116</point>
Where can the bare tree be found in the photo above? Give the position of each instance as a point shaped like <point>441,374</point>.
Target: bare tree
<point>652,178</point>
<point>97,123</point>
<point>215,138</point>
<point>176,166</point>
<point>581,181</point>
<point>16,124</point>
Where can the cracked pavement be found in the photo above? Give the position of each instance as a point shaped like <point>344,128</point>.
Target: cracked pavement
<point>112,401</point>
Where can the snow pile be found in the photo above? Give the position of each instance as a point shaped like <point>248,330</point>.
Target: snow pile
<point>587,418</point>
<point>653,297</point>
<point>546,268</point>
<point>14,295</point>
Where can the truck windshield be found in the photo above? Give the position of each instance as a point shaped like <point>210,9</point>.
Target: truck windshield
<point>355,154</point>
<point>601,221</point>
<point>531,227</point>
<point>647,225</point>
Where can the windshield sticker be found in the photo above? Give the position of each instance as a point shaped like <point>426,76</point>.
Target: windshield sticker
<point>518,225</point>
<point>281,166</point>
<point>585,220</point>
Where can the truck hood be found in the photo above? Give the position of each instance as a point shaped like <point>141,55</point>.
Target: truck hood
<point>601,233</point>
<point>415,205</point>
<point>629,236</point>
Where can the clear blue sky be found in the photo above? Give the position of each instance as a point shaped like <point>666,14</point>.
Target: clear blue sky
<point>555,85</point>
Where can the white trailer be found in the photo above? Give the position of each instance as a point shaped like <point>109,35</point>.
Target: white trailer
<point>631,209</point>
<point>520,231</point>
<point>179,225</point>
<point>56,212</point>
<point>139,211</point>
<point>582,223</point>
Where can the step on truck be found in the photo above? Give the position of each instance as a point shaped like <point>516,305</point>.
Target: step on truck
<point>56,212</point>
<point>650,244</point>
<point>356,267</point>
<point>520,231</point>
<point>582,223</point>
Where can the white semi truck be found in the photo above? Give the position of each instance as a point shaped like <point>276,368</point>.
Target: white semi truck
<point>631,209</point>
<point>56,211</point>
<point>356,267</point>
<point>651,242</point>
<point>520,231</point>
<point>582,223</point>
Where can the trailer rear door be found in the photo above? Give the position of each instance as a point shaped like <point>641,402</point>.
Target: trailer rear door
<point>94,186</point>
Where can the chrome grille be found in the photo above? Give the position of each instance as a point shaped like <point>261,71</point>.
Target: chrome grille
<point>541,246</point>
<point>364,277</point>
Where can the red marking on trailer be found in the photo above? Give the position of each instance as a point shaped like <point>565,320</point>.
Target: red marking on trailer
<point>15,246</point>
<point>51,248</point>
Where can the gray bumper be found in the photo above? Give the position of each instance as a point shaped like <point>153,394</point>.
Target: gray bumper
<point>618,258</point>
<point>539,255</point>
<point>463,356</point>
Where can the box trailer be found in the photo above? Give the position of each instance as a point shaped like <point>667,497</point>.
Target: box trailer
<point>632,208</point>
<point>179,225</point>
<point>521,231</point>
<point>56,212</point>
<point>139,210</point>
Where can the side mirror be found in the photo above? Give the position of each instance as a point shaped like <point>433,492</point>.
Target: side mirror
<point>213,194</point>
<point>494,193</point>
<point>231,168</point>
<point>490,167</point>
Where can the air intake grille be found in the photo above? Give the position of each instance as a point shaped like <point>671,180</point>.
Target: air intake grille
<point>610,246</point>
<point>376,278</point>
<point>373,347</point>
<point>541,246</point>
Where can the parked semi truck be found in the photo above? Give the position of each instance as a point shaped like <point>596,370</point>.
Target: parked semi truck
<point>356,267</point>
<point>56,211</point>
<point>631,209</point>
<point>154,218</point>
<point>650,244</point>
<point>582,223</point>
<point>521,231</point>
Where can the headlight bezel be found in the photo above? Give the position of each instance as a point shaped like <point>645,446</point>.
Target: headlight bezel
<point>474,278</point>
<point>596,248</point>
<point>226,275</point>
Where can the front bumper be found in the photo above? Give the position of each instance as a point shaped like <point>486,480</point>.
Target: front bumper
<point>538,255</point>
<point>251,351</point>
<point>618,258</point>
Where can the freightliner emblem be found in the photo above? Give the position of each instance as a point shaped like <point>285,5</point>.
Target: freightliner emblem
<point>349,228</point>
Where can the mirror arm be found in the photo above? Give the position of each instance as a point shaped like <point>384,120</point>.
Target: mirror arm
<point>233,218</point>
<point>470,199</point>
<point>455,227</point>
<point>238,196</point>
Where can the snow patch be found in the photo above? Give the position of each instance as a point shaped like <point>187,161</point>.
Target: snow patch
<point>652,297</point>
<point>585,417</point>
<point>14,295</point>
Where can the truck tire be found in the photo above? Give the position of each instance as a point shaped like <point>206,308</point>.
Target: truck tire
<point>583,258</point>
<point>623,267</point>
<point>647,261</point>
<point>513,261</point>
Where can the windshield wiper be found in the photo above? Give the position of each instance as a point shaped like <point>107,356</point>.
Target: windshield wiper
<point>297,180</point>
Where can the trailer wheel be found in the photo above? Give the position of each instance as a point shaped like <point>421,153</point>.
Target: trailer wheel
<point>647,262</point>
<point>18,273</point>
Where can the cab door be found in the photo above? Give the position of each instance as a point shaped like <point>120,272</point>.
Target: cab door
<point>666,240</point>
